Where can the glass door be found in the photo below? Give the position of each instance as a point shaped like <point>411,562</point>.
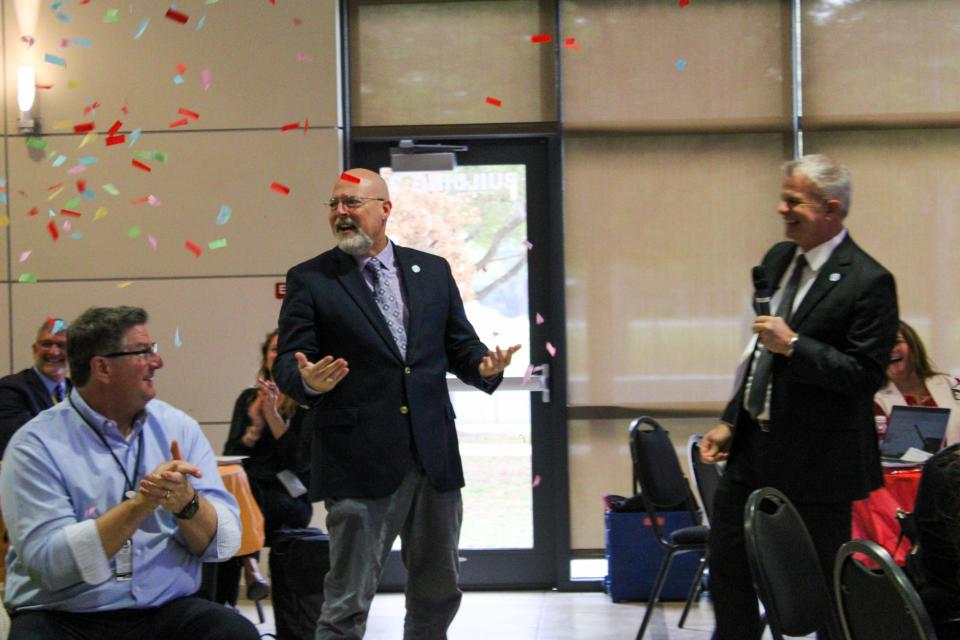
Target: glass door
<point>482,216</point>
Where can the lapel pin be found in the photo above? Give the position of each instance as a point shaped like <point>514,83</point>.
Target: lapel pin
<point>834,277</point>
<point>415,268</point>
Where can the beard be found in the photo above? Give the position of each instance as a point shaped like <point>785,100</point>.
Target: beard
<point>358,244</point>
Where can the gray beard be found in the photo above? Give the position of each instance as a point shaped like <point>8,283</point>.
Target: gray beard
<point>359,244</point>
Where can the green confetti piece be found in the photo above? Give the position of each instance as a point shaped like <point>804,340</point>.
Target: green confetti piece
<point>134,232</point>
<point>211,1</point>
<point>159,156</point>
<point>113,15</point>
<point>217,244</point>
<point>142,155</point>
<point>112,190</point>
<point>27,277</point>
<point>36,143</point>
<point>72,203</point>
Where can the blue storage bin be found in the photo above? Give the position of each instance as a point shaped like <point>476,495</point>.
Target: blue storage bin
<point>634,557</point>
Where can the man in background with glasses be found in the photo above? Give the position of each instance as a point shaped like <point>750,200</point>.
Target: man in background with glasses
<point>801,418</point>
<point>112,501</point>
<point>368,331</point>
<point>26,393</point>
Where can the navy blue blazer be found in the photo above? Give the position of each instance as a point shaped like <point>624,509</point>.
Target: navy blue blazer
<point>822,433</point>
<point>362,429</point>
<point>22,396</point>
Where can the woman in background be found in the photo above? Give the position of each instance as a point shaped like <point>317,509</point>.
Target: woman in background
<point>266,427</point>
<point>914,382</point>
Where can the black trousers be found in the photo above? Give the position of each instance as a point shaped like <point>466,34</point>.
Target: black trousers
<point>190,618</point>
<point>731,587</point>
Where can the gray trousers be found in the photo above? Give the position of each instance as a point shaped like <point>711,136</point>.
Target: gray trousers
<point>362,530</point>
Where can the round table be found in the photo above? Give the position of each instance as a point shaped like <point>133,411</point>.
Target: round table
<point>251,518</point>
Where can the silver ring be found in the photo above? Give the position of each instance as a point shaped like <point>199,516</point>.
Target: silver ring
<point>166,496</point>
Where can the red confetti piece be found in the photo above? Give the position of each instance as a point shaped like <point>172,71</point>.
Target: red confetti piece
<point>81,185</point>
<point>179,123</point>
<point>684,3</point>
<point>297,22</point>
<point>571,43</point>
<point>188,113</point>
<point>142,200</point>
<point>55,187</point>
<point>52,228</point>
<point>193,248</point>
<point>123,108</point>
<point>92,107</point>
<point>540,38</point>
<point>44,86</point>
<point>281,188</point>
<point>112,140</point>
<point>116,127</point>
<point>83,128</point>
<point>68,212</point>
<point>288,127</point>
<point>141,166</point>
<point>346,177</point>
<point>494,101</point>
<point>33,212</point>
<point>181,68</point>
<point>306,125</point>
<point>176,16</point>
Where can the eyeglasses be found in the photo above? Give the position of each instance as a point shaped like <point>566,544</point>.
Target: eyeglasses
<point>350,202</point>
<point>144,353</point>
<point>793,203</point>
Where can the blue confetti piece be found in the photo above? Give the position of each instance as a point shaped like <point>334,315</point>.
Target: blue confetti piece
<point>3,198</point>
<point>87,160</point>
<point>224,216</point>
<point>134,136</point>
<point>52,59</point>
<point>76,235</point>
<point>82,42</point>
<point>178,79</point>
<point>60,160</point>
<point>3,182</point>
<point>58,326</point>
<point>54,7</point>
<point>63,17</point>
<point>681,63</point>
<point>177,342</point>
<point>51,213</point>
<point>142,28</point>
<point>89,195</point>
<point>200,22</point>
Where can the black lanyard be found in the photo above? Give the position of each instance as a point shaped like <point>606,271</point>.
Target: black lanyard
<point>129,484</point>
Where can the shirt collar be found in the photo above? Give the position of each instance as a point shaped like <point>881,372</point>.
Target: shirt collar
<point>48,383</point>
<point>107,427</point>
<point>386,258</point>
<point>819,255</point>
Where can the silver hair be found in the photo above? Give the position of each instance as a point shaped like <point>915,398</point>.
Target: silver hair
<point>831,178</point>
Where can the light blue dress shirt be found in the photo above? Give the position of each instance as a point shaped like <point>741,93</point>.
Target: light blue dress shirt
<point>58,477</point>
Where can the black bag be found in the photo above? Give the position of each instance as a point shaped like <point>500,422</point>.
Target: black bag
<point>299,561</point>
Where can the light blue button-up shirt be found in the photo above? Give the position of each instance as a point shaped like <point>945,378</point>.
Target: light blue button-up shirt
<point>58,477</point>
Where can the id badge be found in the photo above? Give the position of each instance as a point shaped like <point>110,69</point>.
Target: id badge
<point>124,560</point>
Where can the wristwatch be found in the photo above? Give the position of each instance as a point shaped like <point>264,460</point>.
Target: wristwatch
<point>191,509</point>
<point>792,344</point>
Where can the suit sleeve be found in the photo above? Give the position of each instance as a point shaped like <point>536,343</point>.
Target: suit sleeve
<point>861,367</point>
<point>14,413</point>
<point>297,326</point>
<point>464,349</point>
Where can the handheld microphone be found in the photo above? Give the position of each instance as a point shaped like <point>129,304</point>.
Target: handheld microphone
<point>761,291</point>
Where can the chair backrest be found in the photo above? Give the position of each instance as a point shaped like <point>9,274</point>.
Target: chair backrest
<point>657,473</point>
<point>784,565</point>
<point>877,604</point>
<point>706,477</point>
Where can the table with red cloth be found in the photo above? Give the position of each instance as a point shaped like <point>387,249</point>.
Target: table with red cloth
<point>874,517</point>
<point>251,518</point>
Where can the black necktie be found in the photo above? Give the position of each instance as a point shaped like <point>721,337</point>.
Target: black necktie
<point>757,394</point>
<point>58,392</point>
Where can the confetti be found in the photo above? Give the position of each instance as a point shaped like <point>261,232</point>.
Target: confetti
<point>201,21</point>
<point>112,190</point>
<point>176,16</point>
<point>153,242</point>
<point>142,28</point>
<point>181,68</point>
<point>288,127</point>
<point>114,128</point>
<point>297,22</point>
<point>68,212</point>
<point>282,188</point>
<point>153,201</point>
<point>60,160</point>
<point>83,128</point>
<point>536,481</point>
<point>4,220</point>
<point>87,160</point>
<point>571,43</point>
<point>34,211</point>
<point>541,38</point>
<point>224,216</point>
<point>206,78</point>
<point>141,166</point>
<point>28,39</point>
<point>306,125</point>
<point>112,140</point>
<point>52,59</point>
<point>82,42</point>
<point>55,193</point>
<point>217,244</point>
<point>25,255</point>
<point>141,200</point>
<point>539,319</point>
<point>178,123</point>
<point>36,143</point>
<point>113,15</point>
<point>684,3</point>
<point>92,107</point>
<point>58,326</point>
<point>528,244</point>
<point>87,139</point>
<point>346,177</point>
<point>177,342</point>
<point>159,156</point>
<point>100,213</point>
<point>71,84</point>
<point>124,285</point>
<point>134,136</point>
<point>681,63</point>
<point>67,226</point>
<point>304,57</point>
<point>528,374</point>
<point>494,101</point>
<point>193,248</point>
<point>134,232</point>
<point>71,203</point>
<point>190,114</point>
<point>178,79</point>
<point>76,169</point>
<point>27,277</point>
<point>552,350</point>
<point>52,229</point>
<point>62,124</point>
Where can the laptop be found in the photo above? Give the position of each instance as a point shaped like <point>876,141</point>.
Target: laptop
<point>917,427</point>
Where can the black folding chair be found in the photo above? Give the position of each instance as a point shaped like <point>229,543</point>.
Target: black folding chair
<point>877,604</point>
<point>663,487</point>
<point>784,565</point>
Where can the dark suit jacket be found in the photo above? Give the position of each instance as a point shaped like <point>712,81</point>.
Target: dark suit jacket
<point>22,396</point>
<point>361,429</point>
<point>824,445</point>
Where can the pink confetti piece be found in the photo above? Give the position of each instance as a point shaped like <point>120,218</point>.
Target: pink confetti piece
<point>552,350</point>
<point>153,201</point>
<point>539,319</point>
<point>280,188</point>
<point>25,255</point>
<point>528,374</point>
<point>193,248</point>
<point>536,481</point>
<point>206,79</point>
<point>494,101</point>
<point>346,177</point>
<point>541,38</point>
<point>153,242</point>
<point>28,39</point>
<point>528,244</point>
<point>537,369</point>
<point>67,226</point>
<point>176,16</point>
<point>141,166</point>
<point>304,57</point>
<point>76,169</point>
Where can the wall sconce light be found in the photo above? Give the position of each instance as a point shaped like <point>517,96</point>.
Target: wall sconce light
<point>26,94</point>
